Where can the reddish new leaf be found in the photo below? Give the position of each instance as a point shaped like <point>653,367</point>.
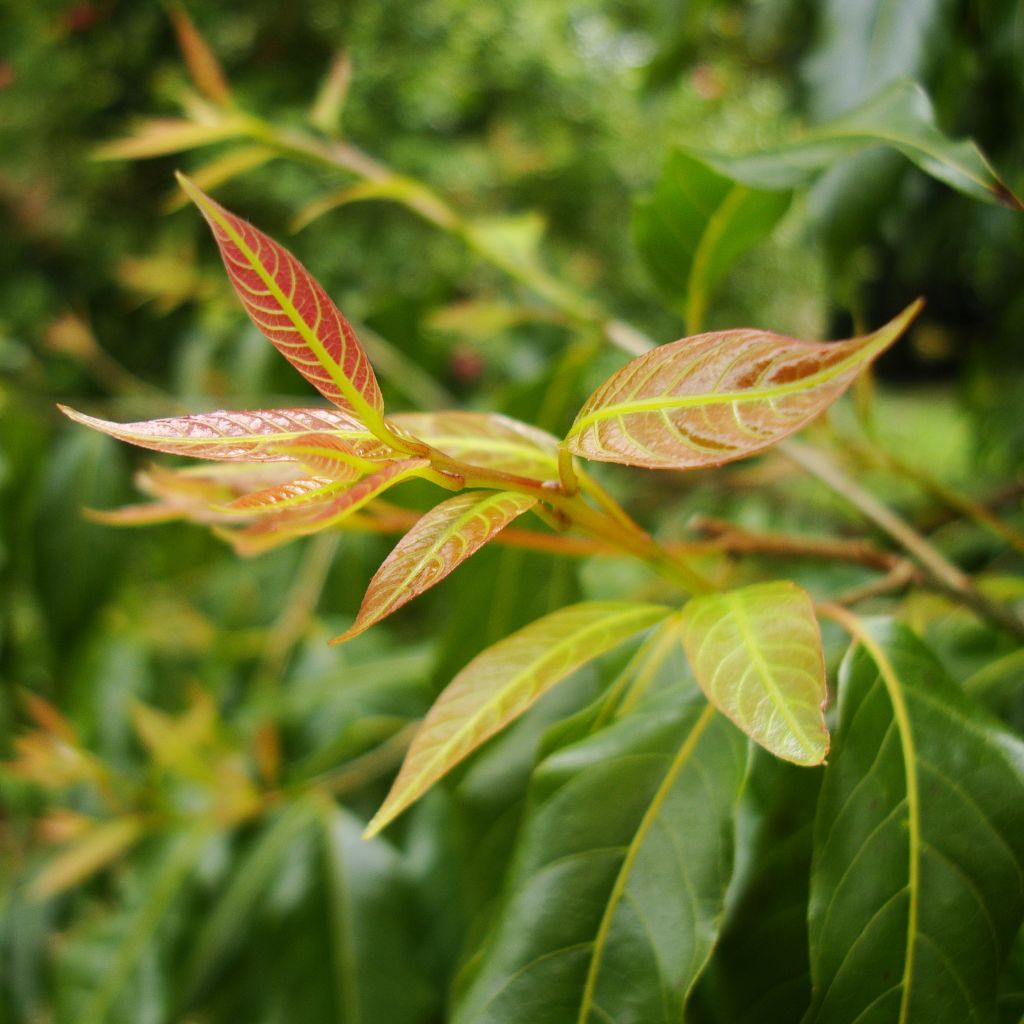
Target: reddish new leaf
<point>288,305</point>
<point>440,541</point>
<point>295,494</point>
<point>328,455</point>
<point>248,436</point>
<point>716,397</point>
<point>305,519</point>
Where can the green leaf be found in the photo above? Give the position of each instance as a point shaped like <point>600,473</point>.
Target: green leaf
<point>716,397</point>
<point>902,117</point>
<point>620,873</point>
<point>862,47</point>
<point>760,970</point>
<point>224,925</point>
<point>499,684</point>
<point>917,887</point>
<point>135,937</point>
<point>695,225</point>
<point>371,935</point>
<point>486,439</point>
<point>757,655</point>
<point>439,543</point>
<point>99,846</point>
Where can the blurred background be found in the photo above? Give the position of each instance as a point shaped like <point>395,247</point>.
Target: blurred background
<point>153,681</point>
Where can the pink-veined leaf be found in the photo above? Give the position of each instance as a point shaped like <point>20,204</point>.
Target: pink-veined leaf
<point>757,655</point>
<point>189,493</point>
<point>503,681</point>
<point>295,494</point>
<point>439,542</point>
<point>278,527</point>
<point>716,397</point>
<point>291,308</point>
<point>486,439</point>
<point>248,436</point>
<point>326,455</point>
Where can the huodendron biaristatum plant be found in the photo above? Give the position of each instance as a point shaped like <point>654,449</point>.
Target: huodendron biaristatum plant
<point>657,853</point>
<point>696,402</point>
<point>922,792</point>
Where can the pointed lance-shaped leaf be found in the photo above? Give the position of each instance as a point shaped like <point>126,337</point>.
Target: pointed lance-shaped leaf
<point>240,436</point>
<point>500,683</point>
<point>439,542</point>
<point>295,494</point>
<point>721,396</point>
<point>328,455</point>
<point>291,308</point>
<point>202,64</point>
<point>757,655</point>
<point>311,518</point>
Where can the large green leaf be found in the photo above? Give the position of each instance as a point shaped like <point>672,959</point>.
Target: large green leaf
<point>695,225</point>
<point>371,946</point>
<point>759,971</point>
<point>499,684</point>
<point>917,886</point>
<point>616,893</point>
<point>902,117</point>
<point>757,655</point>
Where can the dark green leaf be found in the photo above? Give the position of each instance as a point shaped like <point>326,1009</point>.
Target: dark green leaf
<point>917,885</point>
<point>901,117</point>
<point>619,876</point>
<point>695,225</point>
<point>373,968</point>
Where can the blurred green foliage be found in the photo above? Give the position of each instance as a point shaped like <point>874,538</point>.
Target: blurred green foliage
<point>192,695</point>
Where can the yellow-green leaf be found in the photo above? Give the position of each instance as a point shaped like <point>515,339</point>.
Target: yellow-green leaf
<point>162,135</point>
<point>499,684</point>
<point>486,439</point>
<point>439,542</point>
<point>721,396</point>
<point>756,653</point>
<point>95,849</point>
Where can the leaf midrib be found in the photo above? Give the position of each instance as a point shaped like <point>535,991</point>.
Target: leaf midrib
<point>632,852</point>
<point>366,411</point>
<point>726,397</point>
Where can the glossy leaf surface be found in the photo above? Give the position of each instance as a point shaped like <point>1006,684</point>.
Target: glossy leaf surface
<point>694,227</point>
<point>757,655</point>
<point>288,305</point>
<point>295,494</point>
<point>486,439</point>
<point>328,455</point>
<point>716,397</point>
<point>901,116</point>
<point>499,684</point>
<point>439,542</point>
<point>235,435</point>
<point>620,872</point>
<point>917,886</point>
<point>330,510</point>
